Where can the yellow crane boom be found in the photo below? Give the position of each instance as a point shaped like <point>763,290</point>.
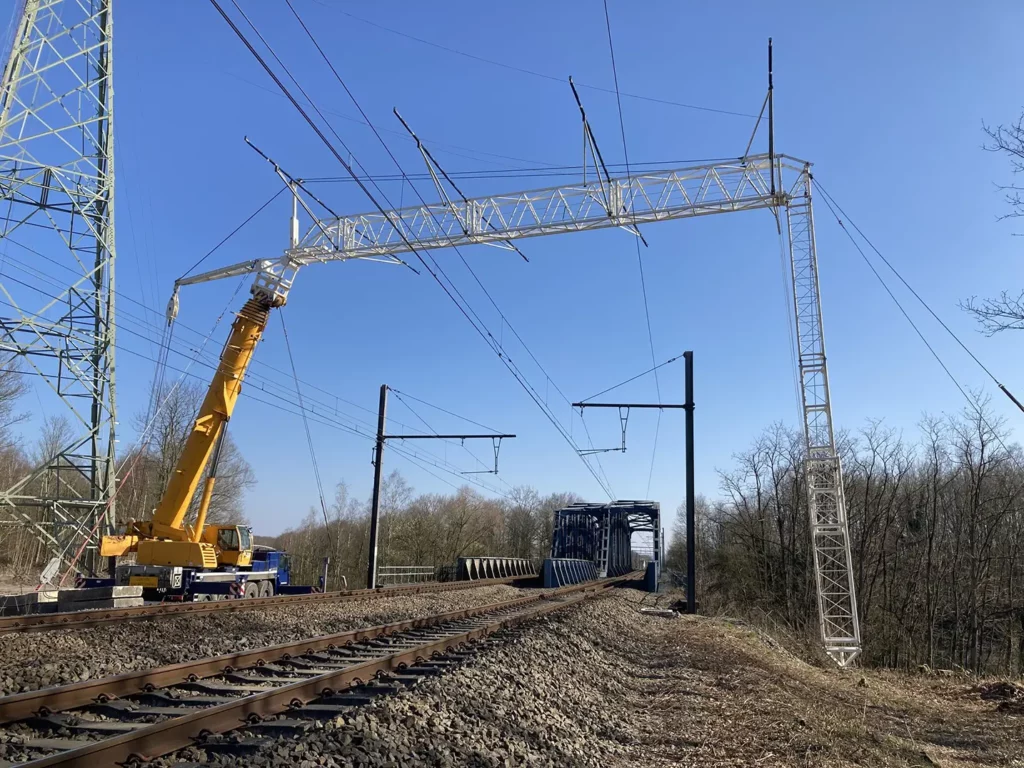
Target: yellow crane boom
<point>165,539</point>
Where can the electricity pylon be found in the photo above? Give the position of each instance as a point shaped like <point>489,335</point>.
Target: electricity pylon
<point>57,265</point>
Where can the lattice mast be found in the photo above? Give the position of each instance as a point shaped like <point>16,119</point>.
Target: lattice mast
<point>57,196</point>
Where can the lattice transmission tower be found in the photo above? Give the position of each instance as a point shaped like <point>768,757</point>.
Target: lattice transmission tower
<point>57,266</point>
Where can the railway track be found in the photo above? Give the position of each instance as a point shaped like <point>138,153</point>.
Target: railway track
<point>259,693</point>
<point>92,618</point>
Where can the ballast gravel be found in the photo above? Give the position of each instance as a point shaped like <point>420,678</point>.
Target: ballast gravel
<point>603,684</point>
<point>36,660</point>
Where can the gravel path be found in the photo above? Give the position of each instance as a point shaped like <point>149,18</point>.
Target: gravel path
<point>605,685</point>
<point>41,659</point>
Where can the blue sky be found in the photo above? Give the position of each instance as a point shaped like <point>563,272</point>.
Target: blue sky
<point>886,99</point>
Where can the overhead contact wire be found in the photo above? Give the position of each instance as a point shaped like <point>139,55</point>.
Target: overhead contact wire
<point>636,241</point>
<point>481,329</point>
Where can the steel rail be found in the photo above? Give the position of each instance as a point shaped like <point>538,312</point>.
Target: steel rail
<point>91,618</point>
<point>22,705</point>
<point>179,732</point>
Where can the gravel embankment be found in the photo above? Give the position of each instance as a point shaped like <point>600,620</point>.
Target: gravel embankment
<point>58,657</point>
<point>604,685</point>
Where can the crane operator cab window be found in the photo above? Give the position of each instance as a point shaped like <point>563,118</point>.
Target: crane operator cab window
<point>227,539</point>
<point>234,546</point>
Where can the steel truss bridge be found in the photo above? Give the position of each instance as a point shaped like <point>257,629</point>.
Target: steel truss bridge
<point>603,533</point>
<point>778,183</point>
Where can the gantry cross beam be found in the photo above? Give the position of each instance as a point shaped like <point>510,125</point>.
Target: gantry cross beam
<point>776,182</point>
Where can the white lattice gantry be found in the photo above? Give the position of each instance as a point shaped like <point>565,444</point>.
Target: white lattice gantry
<point>640,199</point>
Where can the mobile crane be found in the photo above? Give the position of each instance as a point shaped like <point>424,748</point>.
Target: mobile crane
<point>199,560</point>
<point>177,560</point>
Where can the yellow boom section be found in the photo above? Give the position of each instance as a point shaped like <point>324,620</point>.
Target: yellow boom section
<point>246,331</point>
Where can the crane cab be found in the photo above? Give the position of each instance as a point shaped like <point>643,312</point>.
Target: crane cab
<point>233,544</point>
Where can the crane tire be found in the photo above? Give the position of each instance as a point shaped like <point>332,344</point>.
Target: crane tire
<point>266,588</point>
<point>251,589</point>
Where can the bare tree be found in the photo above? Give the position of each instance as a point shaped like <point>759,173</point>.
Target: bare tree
<point>150,466</point>
<point>1005,313</point>
<point>1009,140</point>
<point>12,388</point>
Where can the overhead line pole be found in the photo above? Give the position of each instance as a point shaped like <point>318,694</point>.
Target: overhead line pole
<point>691,506</point>
<point>691,522</point>
<point>378,465</point>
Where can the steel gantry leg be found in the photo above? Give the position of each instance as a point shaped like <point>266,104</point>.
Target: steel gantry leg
<point>830,534</point>
<point>57,205</point>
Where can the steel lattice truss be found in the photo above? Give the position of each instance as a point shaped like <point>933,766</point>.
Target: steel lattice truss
<point>56,197</point>
<point>604,533</point>
<point>724,187</point>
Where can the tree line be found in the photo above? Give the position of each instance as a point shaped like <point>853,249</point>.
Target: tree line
<point>429,530</point>
<point>937,537</point>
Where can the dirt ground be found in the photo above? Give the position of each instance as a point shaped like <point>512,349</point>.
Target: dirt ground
<point>723,693</point>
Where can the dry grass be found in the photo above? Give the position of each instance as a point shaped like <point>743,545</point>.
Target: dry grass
<point>725,694</point>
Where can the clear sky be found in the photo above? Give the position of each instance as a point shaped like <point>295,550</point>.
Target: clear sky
<point>886,99</point>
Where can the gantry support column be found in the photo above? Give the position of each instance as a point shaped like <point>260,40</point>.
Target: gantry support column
<point>830,534</point>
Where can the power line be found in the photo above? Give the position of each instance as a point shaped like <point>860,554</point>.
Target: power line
<point>633,378</point>
<point>531,72</point>
<point>464,307</point>
<point>305,425</point>
<point>636,241</point>
<point>829,199</point>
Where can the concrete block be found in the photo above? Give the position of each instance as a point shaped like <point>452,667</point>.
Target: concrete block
<point>76,599</point>
<point>114,602</point>
<point>28,602</point>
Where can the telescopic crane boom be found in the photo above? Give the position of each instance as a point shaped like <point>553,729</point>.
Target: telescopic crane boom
<point>165,539</point>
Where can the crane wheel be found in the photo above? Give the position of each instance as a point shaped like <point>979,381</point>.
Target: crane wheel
<point>252,589</point>
<point>266,589</point>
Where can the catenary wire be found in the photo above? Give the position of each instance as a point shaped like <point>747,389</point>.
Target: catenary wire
<point>464,306</point>
<point>143,323</point>
<point>305,426</point>
<point>533,73</point>
<point>197,357</point>
<point>434,431</point>
<point>636,242</point>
